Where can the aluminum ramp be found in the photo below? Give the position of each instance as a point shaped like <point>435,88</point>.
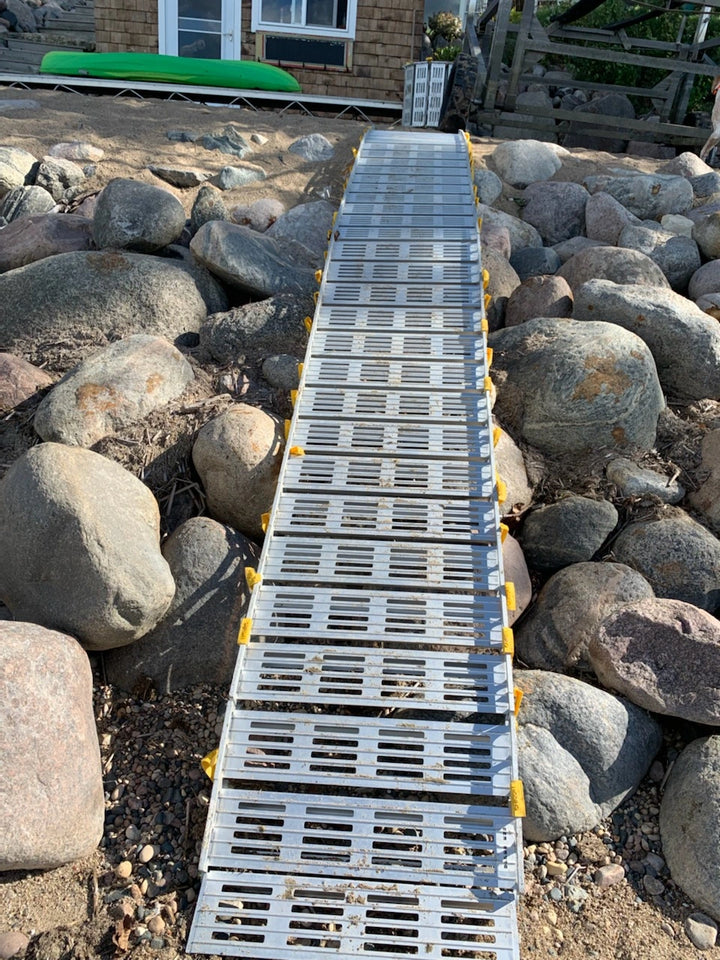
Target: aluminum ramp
<point>366,797</point>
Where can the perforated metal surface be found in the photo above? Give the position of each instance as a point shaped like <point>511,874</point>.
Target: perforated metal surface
<point>362,795</point>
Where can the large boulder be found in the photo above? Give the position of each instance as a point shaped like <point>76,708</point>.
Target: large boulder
<point>15,167</point>
<point>678,257</point>
<point>259,329</point>
<point>92,298</point>
<point>307,224</point>
<point>569,531</point>
<point>706,499</point>
<point>706,233</point>
<point>690,823</point>
<point>25,202</point>
<point>642,652</point>
<point>611,263</point>
<point>676,555</point>
<point>568,387</point>
<point>521,234</point>
<point>581,751</point>
<point>606,218</point>
<point>539,297</point>
<point>252,262</point>
<point>58,176</point>
<point>52,807</point>
<point>510,466</point>
<point>19,380</point>
<point>705,280</point>
<point>566,617</point>
<point>607,105</point>
<point>131,215</point>
<point>81,550</point>
<point>45,235</point>
<point>522,162</point>
<point>516,571</point>
<point>648,196</point>
<point>556,210</point>
<point>122,383</point>
<point>238,457</point>
<point>196,641</point>
<point>683,339</point>
<point>503,280</point>
<point>535,262</point>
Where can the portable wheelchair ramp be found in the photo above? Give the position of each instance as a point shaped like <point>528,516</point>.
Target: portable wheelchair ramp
<point>366,798</point>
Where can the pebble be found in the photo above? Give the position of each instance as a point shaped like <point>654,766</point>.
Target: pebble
<point>12,942</point>
<point>653,886</point>
<point>132,833</point>
<point>156,925</point>
<point>556,869</point>
<point>147,853</point>
<point>608,875</point>
<point>123,870</point>
<point>701,931</point>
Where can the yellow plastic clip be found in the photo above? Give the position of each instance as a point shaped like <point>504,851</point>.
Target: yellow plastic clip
<point>252,577</point>
<point>354,151</point>
<point>244,631</point>
<point>518,699</point>
<point>489,357</point>
<point>487,384</point>
<point>497,433</point>
<point>501,490</point>
<point>484,325</point>
<point>287,429</point>
<point>487,300</point>
<point>301,367</point>
<point>293,397</point>
<point>479,223</point>
<point>329,234</point>
<point>334,218</point>
<point>308,323</point>
<point>510,595</point>
<point>508,641</point>
<point>297,452</point>
<point>486,279</point>
<point>517,799</point>
<point>318,276</point>
<point>264,521</point>
<point>315,297</point>
<point>504,531</point>
<point>209,763</point>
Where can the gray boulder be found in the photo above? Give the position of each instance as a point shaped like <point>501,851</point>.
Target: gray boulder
<point>99,296</point>
<point>706,187</point>
<point>238,457</point>
<point>259,215</point>
<point>131,215</point>
<point>581,751</point>
<point>705,280</point>
<point>539,297</point>
<point>690,825</point>
<point>568,248</point>
<point>57,176</point>
<point>607,105</point>
<point>677,556</point>
<point>307,224</point>
<point>250,261</point>
<point>259,329</point>
<point>706,499</point>
<point>598,386</point>
<point>556,210</point>
<point>642,652</point>
<point>706,233</point>
<point>677,224</point>
<point>521,162</point>
<point>648,196</point>
<point>612,263</point>
<point>489,185</point>
<point>566,617</point>
<point>516,571</point>
<point>281,371</point>
<point>495,238</point>
<point>535,262</point>
<point>15,167</point>
<point>196,641</point>
<point>19,380</point>
<point>25,202</point>
<point>34,238</point>
<point>88,531</point>
<point>503,280</point>
<point>77,150</point>
<point>634,481</point>
<point>180,177</point>
<point>685,165</point>
<point>606,218</point>
<point>521,234</point>
<point>678,257</point>
<point>52,807</point>
<point>684,341</point>
<point>569,531</point>
<point>24,14</point>
<point>208,205</point>
<point>240,175</point>
<point>510,466</point>
<point>114,387</point>
<point>313,147</point>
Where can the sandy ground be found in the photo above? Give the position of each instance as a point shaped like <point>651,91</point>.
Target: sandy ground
<point>620,923</point>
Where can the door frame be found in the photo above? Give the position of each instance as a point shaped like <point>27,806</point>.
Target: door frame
<point>230,27</point>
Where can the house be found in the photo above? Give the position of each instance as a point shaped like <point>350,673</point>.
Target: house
<point>344,48</point>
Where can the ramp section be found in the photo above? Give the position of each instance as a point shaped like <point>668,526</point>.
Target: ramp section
<point>364,800</point>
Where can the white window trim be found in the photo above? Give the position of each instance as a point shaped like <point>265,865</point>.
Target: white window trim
<point>260,26</point>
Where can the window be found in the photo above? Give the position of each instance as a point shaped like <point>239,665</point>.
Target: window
<point>315,18</point>
<point>289,51</point>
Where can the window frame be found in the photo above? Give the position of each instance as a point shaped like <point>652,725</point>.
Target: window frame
<point>258,25</point>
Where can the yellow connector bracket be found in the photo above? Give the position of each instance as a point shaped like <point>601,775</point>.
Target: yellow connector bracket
<point>484,326</point>
<point>297,452</point>
<point>489,357</point>
<point>244,631</point>
<point>510,595</point>
<point>252,577</point>
<point>487,300</point>
<point>508,641</point>
<point>264,521</point>
<point>517,700</point>
<point>504,531</point>
<point>517,799</point>
<point>497,433</point>
<point>308,323</point>
<point>209,763</point>
<point>488,384</point>
<point>501,490</point>
<point>301,367</point>
<point>318,276</point>
<point>486,279</point>
<point>293,397</point>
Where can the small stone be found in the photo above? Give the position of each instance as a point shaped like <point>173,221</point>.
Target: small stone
<point>701,930</point>
<point>190,895</point>
<point>157,943</point>
<point>121,909</point>
<point>259,138</point>
<point>12,942</point>
<point>156,925</point>
<point>607,876</point>
<point>667,928</point>
<point>147,853</point>
<point>132,833</point>
<point>556,869</point>
<point>123,870</point>
<point>556,894</point>
<point>653,886</point>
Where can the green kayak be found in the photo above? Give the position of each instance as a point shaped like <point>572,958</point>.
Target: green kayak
<point>155,67</point>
